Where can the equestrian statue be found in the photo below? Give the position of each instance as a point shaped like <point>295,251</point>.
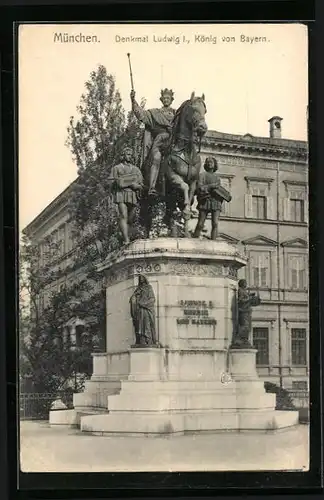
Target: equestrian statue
<point>170,162</point>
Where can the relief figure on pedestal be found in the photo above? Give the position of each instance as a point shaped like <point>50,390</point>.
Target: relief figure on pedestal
<point>245,302</point>
<point>142,309</point>
<point>210,197</point>
<point>127,186</point>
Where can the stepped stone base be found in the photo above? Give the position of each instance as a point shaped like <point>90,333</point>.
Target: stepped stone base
<point>149,404</point>
<point>194,382</point>
<point>188,422</point>
<point>71,418</point>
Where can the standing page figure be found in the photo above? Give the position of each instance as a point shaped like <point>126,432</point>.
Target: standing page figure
<point>210,196</point>
<point>128,182</point>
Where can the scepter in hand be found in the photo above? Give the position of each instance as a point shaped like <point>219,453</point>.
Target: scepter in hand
<point>131,77</point>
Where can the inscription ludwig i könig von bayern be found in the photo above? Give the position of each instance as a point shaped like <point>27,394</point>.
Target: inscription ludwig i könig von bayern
<point>196,312</point>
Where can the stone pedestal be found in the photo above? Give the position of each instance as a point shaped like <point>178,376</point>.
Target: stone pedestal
<point>99,360</point>
<point>145,364</point>
<point>243,364</point>
<point>178,387</point>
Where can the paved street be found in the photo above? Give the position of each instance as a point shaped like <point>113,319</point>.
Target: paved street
<point>62,450</point>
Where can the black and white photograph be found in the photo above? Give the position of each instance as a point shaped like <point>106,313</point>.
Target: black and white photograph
<point>163,247</point>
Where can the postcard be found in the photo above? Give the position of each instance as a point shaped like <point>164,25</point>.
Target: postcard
<point>163,212</point>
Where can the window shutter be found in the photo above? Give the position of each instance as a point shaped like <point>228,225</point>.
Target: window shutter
<point>225,205</point>
<point>302,279</point>
<point>248,210</point>
<point>306,210</point>
<point>294,278</point>
<point>264,276</point>
<point>256,276</point>
<point>270,208</point>
<point>286,209</point>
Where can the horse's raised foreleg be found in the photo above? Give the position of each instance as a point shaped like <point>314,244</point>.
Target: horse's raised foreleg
<point>186,211</point>
<point>192,190</point>
<point>170,217</point>
<point>187,208</point>
<point>183,186</point>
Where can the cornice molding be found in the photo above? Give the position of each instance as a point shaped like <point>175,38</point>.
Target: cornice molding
<point>53,208</point>
<point>228,238</point>
<point>241,145</point>
<point>259,240</point>
<point>294,183</point>
<point>266,180</point>
<point>295,320</point>
<point>295,243</point>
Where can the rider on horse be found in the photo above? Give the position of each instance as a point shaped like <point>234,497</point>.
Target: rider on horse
<point>158,126</point>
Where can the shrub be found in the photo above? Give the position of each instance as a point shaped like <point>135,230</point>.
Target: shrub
<point>283,398</point>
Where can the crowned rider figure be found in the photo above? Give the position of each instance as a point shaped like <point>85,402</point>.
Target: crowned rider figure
<point>158,126</point>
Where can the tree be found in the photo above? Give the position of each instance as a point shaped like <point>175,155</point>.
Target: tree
<point>96,139</point>
<point>47,362</point>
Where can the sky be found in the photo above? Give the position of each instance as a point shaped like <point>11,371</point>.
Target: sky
<point>245,82</point>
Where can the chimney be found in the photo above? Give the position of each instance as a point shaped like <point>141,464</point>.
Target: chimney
<point>275,127</point>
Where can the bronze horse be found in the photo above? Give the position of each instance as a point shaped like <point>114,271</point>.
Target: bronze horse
<point>180,165</point>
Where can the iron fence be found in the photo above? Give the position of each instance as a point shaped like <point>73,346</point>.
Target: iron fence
<point>36,406</point>
<point>300,398</point>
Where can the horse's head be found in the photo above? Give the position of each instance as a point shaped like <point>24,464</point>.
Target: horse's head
<point>189,120</point>
<point>197,113</point>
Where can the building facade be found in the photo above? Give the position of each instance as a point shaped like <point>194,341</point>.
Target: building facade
<point>267,219</point>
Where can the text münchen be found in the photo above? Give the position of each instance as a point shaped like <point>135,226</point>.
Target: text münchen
<point>77,38</point>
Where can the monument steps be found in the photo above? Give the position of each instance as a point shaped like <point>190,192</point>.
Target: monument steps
<point>168,386</point>
<point>158,423</point>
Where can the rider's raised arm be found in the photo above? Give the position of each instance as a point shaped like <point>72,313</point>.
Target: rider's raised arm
<point>141,114</point>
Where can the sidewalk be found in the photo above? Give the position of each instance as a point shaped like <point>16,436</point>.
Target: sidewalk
<point>46,449</point>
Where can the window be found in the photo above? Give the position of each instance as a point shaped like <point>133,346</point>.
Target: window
<point>295,205</point>
<point>61,241</point>
<point>259,269</point>
<point>226,183</point>
<point>297,210</point>
<point>259,207</point>
<point>44,253</point>
<point>75,335</point>
<point>40,250</point>
<point>56,243</point>
<point>261,343</point>
<point>299,385</point>
<point>79,330</point>
<point>297,272</point>
<point>258,200</point>
<point>298,346</point>
<point>68,237</point>
<point>260,276</point>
